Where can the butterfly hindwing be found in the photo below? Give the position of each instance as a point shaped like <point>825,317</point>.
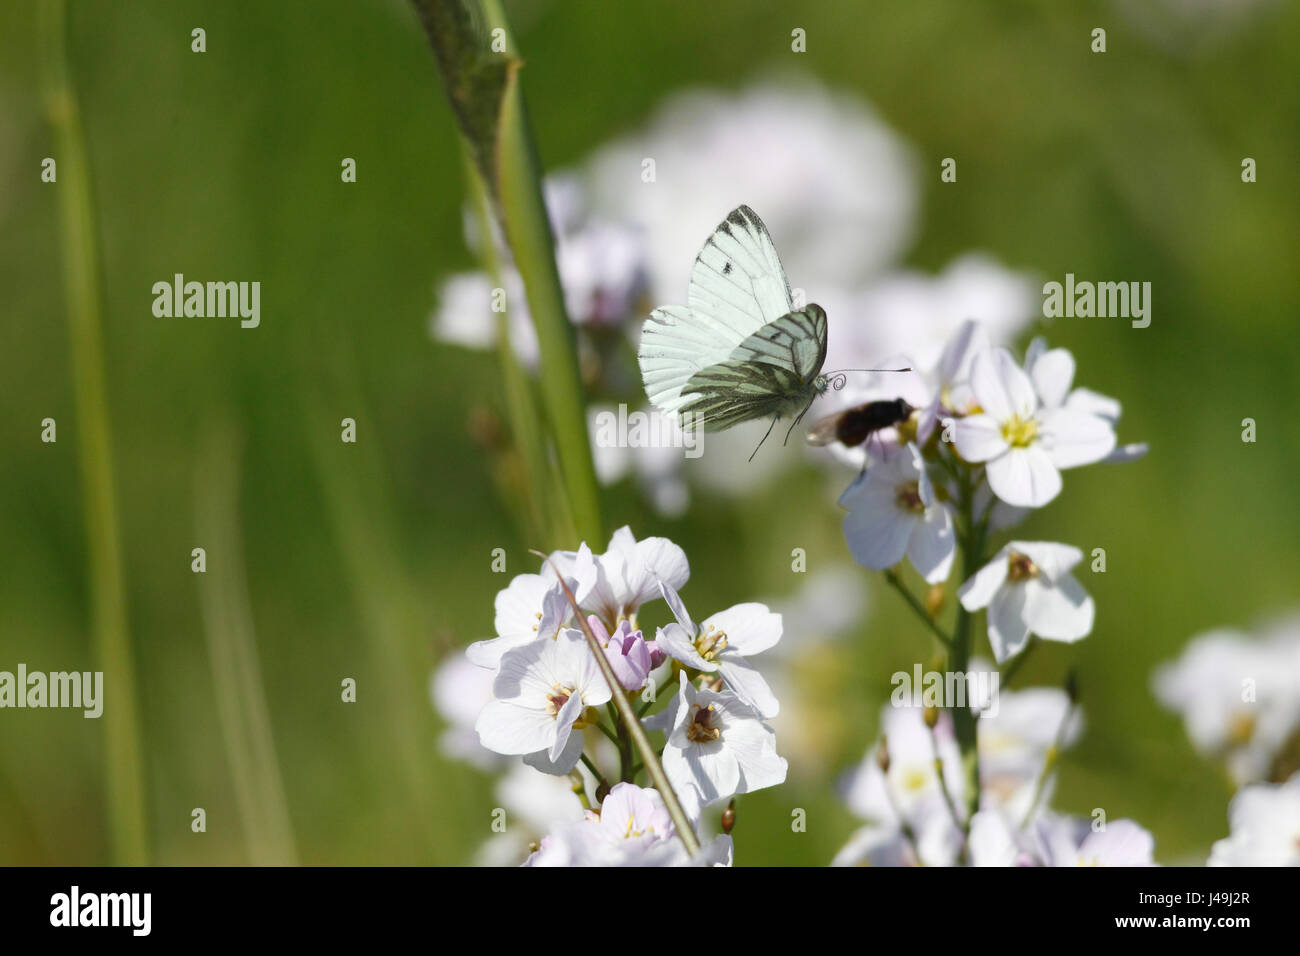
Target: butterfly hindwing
<point>796,342</point>
<point>771,373</point>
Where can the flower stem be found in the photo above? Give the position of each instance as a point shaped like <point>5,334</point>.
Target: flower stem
<point>897,583</point>
<point>963,718</point>
<point>682,823</point>
<point>595,772</point>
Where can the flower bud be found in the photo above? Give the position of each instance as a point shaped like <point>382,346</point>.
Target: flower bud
<point>934,600</point>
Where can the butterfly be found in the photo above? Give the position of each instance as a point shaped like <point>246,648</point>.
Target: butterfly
<point>738,350</point>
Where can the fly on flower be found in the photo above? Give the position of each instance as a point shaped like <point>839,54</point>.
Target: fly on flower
<point>853,426</point>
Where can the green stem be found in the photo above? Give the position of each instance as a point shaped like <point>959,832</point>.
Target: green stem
<point>1049,764</point>
<point>81,277</point>
<point>527,229</point>
<point>595,772</point>
<point>897,583</point>
<point>964,720</point>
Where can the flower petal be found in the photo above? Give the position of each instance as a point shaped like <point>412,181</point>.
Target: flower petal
<point>1007,629</point>
<point>744,680</point>
<point>1062,611</point>
<point>978,590</point>
<point>750,627</point>
<point>1024,477</point>
<point>978,438</point>
<point>1074,438</point>
<point>933,545</point>
<point>1052,373</point>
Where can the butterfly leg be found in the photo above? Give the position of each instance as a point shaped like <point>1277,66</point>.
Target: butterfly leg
<point>797,420</point>
<point>765,434</point>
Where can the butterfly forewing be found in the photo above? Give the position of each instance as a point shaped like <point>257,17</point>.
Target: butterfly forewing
<point>737,278</point>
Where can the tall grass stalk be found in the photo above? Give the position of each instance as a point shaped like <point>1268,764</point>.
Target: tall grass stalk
<point>483,87</point>
<point>232,650</point>
<point>124,761</point>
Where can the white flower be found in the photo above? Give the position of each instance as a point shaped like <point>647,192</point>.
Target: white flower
<point>1237,696</point>
<point>615,584</point>
<point>631,828</point>
<point>1014,743</point>
<point>994,841</point>
<point>1265,827</point>
<point>542,690</point>
<point>723,643</point>
<point>1024,444</point>
<point>893,511</point>
<point>530,607</point>
<point>876,846</point>
<point>1052,372</point>
<point>1028,589</point>
<point>1073,841</point>
<point>717,747</point>
<point>908,792</point>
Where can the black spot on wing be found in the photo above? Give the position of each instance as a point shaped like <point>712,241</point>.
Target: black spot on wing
<point>726,269</point>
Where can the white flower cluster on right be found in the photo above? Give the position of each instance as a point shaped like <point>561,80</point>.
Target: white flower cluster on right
<point>986,441</point>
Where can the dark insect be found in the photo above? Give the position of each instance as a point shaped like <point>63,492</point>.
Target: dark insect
<point>853,426</point>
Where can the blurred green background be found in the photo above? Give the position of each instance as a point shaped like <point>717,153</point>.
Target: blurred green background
<point>371,560</point>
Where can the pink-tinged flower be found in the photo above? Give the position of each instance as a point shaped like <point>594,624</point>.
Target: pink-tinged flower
<point>1074,841</point>
<point>541,692</point>
<point>631,828</point>
<point>1028,589</point>
<point>1023,443</point>
<point>630,654</point>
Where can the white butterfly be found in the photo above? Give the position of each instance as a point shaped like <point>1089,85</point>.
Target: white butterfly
<point>739,350</point>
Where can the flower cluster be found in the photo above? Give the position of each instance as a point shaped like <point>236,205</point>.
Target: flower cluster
<point>909,789</point>
<point>547,690</point>
<point>983,441</point>
<point>987,440</point>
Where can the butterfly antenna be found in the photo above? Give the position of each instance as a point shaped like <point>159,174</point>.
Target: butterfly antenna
<point>841,371</point>
<point>765,434</point>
